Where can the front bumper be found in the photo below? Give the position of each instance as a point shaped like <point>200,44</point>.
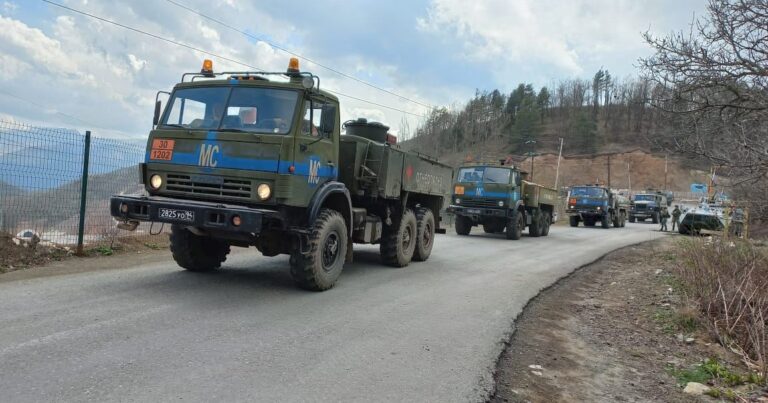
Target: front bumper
<point>584,212</point>
<point>206,215</point>
<point>641,214</point>
<point>478,211</point>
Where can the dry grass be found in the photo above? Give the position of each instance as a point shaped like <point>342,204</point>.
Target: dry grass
<point>728,280</point>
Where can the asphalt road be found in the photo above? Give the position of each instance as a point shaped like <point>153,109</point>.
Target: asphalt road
<point>428,332</point>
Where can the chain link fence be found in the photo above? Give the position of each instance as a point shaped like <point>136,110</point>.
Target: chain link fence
<point>41,183</point>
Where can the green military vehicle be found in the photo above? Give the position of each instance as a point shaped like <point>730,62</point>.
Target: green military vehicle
<point>242,159</point>
<point>591,204</point>
<point>498,198</point>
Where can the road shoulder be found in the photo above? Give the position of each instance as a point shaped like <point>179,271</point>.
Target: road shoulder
<point>609,332</point>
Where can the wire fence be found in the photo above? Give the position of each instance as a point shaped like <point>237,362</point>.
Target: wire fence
<point>41,183</point>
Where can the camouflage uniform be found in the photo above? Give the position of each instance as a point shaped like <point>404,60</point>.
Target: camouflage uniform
<point>664,217</point>
<point>676,213</point>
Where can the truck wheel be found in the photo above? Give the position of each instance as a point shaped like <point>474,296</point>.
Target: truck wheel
<point>534,229</point>
<point>425,234</point>
<point>623,222</point>
<point>545,223</point>
<point>515,226</point>
<point>605,221</point>
<point>319,269</point>
<point>631,218</point>
<point>655,218</point>
<point>463,225</point>
<point>195,252</point>
<point>399,241</point>
<point>617,220</point>
<point>574,221</point>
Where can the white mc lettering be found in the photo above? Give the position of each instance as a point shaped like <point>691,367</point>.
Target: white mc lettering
<point>207,155</point>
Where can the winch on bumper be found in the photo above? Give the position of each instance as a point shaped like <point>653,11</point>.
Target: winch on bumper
<point>129,210</point>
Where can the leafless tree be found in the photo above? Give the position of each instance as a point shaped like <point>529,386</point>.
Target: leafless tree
<point>711,83</point>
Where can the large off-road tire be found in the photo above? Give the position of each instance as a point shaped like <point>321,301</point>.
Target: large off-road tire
<point>319,269</point>
<point>534,229</point>
<point>655,218</point>
<point>574,221</point>
<point>515,226</point>
<point>425,234</point>
<point>399,241</point>
<point>617,220</point>
<point>605,221</point>
<point>195,252</point>
<point>463,225</point>
<point>623,222</point>
<point>546,223</point>
<point>631,218</point>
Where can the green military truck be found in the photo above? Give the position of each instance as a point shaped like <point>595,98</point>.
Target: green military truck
<point>499,199</point>
<point>591,204</point>
<point>244,159</point>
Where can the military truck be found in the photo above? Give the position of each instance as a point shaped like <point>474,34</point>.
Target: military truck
<point>591,204</point>
<point>499,199</point>
<point>649,205</point>
<point>247,159</point>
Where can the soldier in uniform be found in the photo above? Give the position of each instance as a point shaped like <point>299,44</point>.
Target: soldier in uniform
<point>664,217</point>
<point>676,213</point>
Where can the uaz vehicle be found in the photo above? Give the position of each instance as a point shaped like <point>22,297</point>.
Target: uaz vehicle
<point>498,198</point>
<point>591,204</point>
<point>237,159</point>
<point>648,205</point>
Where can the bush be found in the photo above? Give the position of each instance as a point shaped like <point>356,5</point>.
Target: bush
<point>728,280</point>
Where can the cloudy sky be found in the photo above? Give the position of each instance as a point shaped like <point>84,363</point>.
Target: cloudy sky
<point>59,68</point>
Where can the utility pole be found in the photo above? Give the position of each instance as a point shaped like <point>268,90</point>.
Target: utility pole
<point>559,156</point>
<point>609,171</point>
<point>531,153</point>
<point>665,171</point>
<point>629,177</point>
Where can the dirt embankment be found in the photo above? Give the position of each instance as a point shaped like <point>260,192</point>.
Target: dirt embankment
<point>617,330</point>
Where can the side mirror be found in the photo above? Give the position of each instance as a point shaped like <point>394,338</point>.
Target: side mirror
<point>328,120</point>
<point>156,119</point>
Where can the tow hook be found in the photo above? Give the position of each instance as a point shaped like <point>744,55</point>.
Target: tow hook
<point>128,225</point>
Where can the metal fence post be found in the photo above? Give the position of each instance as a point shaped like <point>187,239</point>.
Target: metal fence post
<point>83,192</point>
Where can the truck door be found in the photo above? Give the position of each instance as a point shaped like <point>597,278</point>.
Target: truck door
<point>316,154</point>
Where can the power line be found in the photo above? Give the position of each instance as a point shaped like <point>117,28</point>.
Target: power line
<point>341,73</point>
<point>211,53</point>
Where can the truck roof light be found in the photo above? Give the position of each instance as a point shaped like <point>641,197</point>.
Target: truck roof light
<point>293,65</point>
<point>207,69</point>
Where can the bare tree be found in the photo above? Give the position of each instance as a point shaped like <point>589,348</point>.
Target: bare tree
<point>712,85</point>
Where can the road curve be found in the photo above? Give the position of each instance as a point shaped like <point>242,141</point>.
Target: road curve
<point>428,332</point>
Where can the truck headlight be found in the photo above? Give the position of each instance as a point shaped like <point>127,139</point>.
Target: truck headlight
<point>458,201</point>
<point>501,203</point>
<point>264,191</point>
<point>155,181</point>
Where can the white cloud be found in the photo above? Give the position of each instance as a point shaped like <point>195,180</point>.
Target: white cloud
<point>136,63</point>
<point>540,32</point>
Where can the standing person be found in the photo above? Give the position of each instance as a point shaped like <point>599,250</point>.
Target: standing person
<point>664,217</point>
<point>676,213</point>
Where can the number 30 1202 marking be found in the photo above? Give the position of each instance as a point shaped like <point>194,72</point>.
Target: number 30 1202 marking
<point>164,155</point>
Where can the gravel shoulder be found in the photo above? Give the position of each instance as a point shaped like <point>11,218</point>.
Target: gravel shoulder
<point>607,333</point>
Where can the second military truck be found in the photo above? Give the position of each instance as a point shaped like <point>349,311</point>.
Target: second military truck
<point>240,159</point>
<point>596,204</point>
<point>497,197</point>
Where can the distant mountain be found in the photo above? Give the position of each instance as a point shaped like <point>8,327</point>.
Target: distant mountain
<point>39,159</point>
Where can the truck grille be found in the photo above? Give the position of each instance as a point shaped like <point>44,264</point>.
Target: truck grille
<point>639,207</point>
<point>211,186</point>
<point>480,202</point>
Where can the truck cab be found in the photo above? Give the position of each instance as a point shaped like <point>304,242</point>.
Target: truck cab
<point>591,204</point>
<point>499,199</point>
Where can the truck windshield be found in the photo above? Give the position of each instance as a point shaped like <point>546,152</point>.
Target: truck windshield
<point>645,197</point>
<point>588,192</point>
<point>258,110</point>
<point>484,174</point>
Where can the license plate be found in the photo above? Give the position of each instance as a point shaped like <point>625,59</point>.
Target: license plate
<point>180,215</point>
<point>473,211</point>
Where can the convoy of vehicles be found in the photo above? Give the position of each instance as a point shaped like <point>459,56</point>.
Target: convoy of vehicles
<point>240,159</point>
<point>649,204</point>
<point>593,204</point>
<point>498,198</point>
